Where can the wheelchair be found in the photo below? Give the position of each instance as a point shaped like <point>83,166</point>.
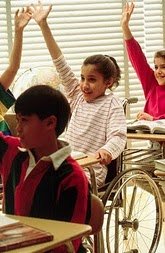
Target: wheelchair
<point>132,210</point>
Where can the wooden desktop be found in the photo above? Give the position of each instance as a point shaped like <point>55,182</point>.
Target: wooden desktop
<point>63,232</point>
<point>146,136</point>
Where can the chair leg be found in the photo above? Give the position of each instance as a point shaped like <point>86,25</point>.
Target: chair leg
<point>99,243</point>
<point>93,180</point>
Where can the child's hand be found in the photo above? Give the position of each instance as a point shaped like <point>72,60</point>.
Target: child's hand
<point>126,15</point>
<point>144,116</point>
<point>39,12</point>
<point>22,18</point>
<point>104,156</point>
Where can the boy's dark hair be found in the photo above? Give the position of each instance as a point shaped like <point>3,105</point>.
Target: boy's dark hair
<point>44,101</point>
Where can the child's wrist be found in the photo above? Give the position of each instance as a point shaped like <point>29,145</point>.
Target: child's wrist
<point>42,23</point>
<point>19,29</point>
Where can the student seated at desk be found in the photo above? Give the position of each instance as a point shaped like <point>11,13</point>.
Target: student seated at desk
<point>152,81</point>
<point>40,178</point>
<point>6,99</point>
<point>97,125</point>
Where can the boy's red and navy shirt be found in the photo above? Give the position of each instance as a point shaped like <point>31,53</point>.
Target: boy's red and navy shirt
<point>54,192</point>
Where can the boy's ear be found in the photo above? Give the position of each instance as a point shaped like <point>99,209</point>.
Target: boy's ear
<point>51,121</point>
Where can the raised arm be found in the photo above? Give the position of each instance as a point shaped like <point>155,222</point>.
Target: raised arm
<point>21,20</point>
<point>68,78</point>
<point>126,15</point>
<point>40,14</point>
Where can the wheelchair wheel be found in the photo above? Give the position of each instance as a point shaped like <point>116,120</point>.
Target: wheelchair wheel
<point>134,219</point>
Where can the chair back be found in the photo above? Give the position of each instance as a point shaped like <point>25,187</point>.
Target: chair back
<point>97,214</point>
<point>10,119</point>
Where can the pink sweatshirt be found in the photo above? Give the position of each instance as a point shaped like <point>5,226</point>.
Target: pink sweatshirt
<point>153,92</point>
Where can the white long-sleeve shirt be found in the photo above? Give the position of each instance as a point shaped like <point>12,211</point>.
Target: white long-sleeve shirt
<point>93,125</point>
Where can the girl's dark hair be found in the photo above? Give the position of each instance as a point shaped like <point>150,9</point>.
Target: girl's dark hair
<point>44,101</point>
<point>160,54</point>
<point>106,65</point>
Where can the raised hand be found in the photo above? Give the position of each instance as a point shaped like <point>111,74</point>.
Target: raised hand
<point>22,18</point>
<point>39,12</point>
<point>127,12</point>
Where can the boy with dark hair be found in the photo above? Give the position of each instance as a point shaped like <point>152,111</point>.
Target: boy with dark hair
<point>40,178</point>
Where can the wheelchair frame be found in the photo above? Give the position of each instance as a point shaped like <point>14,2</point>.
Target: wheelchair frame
<point>132,203</point>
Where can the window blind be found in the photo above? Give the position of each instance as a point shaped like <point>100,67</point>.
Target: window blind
<point>4,37</point>
<point>81,28</point>
<point>87,27</point>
